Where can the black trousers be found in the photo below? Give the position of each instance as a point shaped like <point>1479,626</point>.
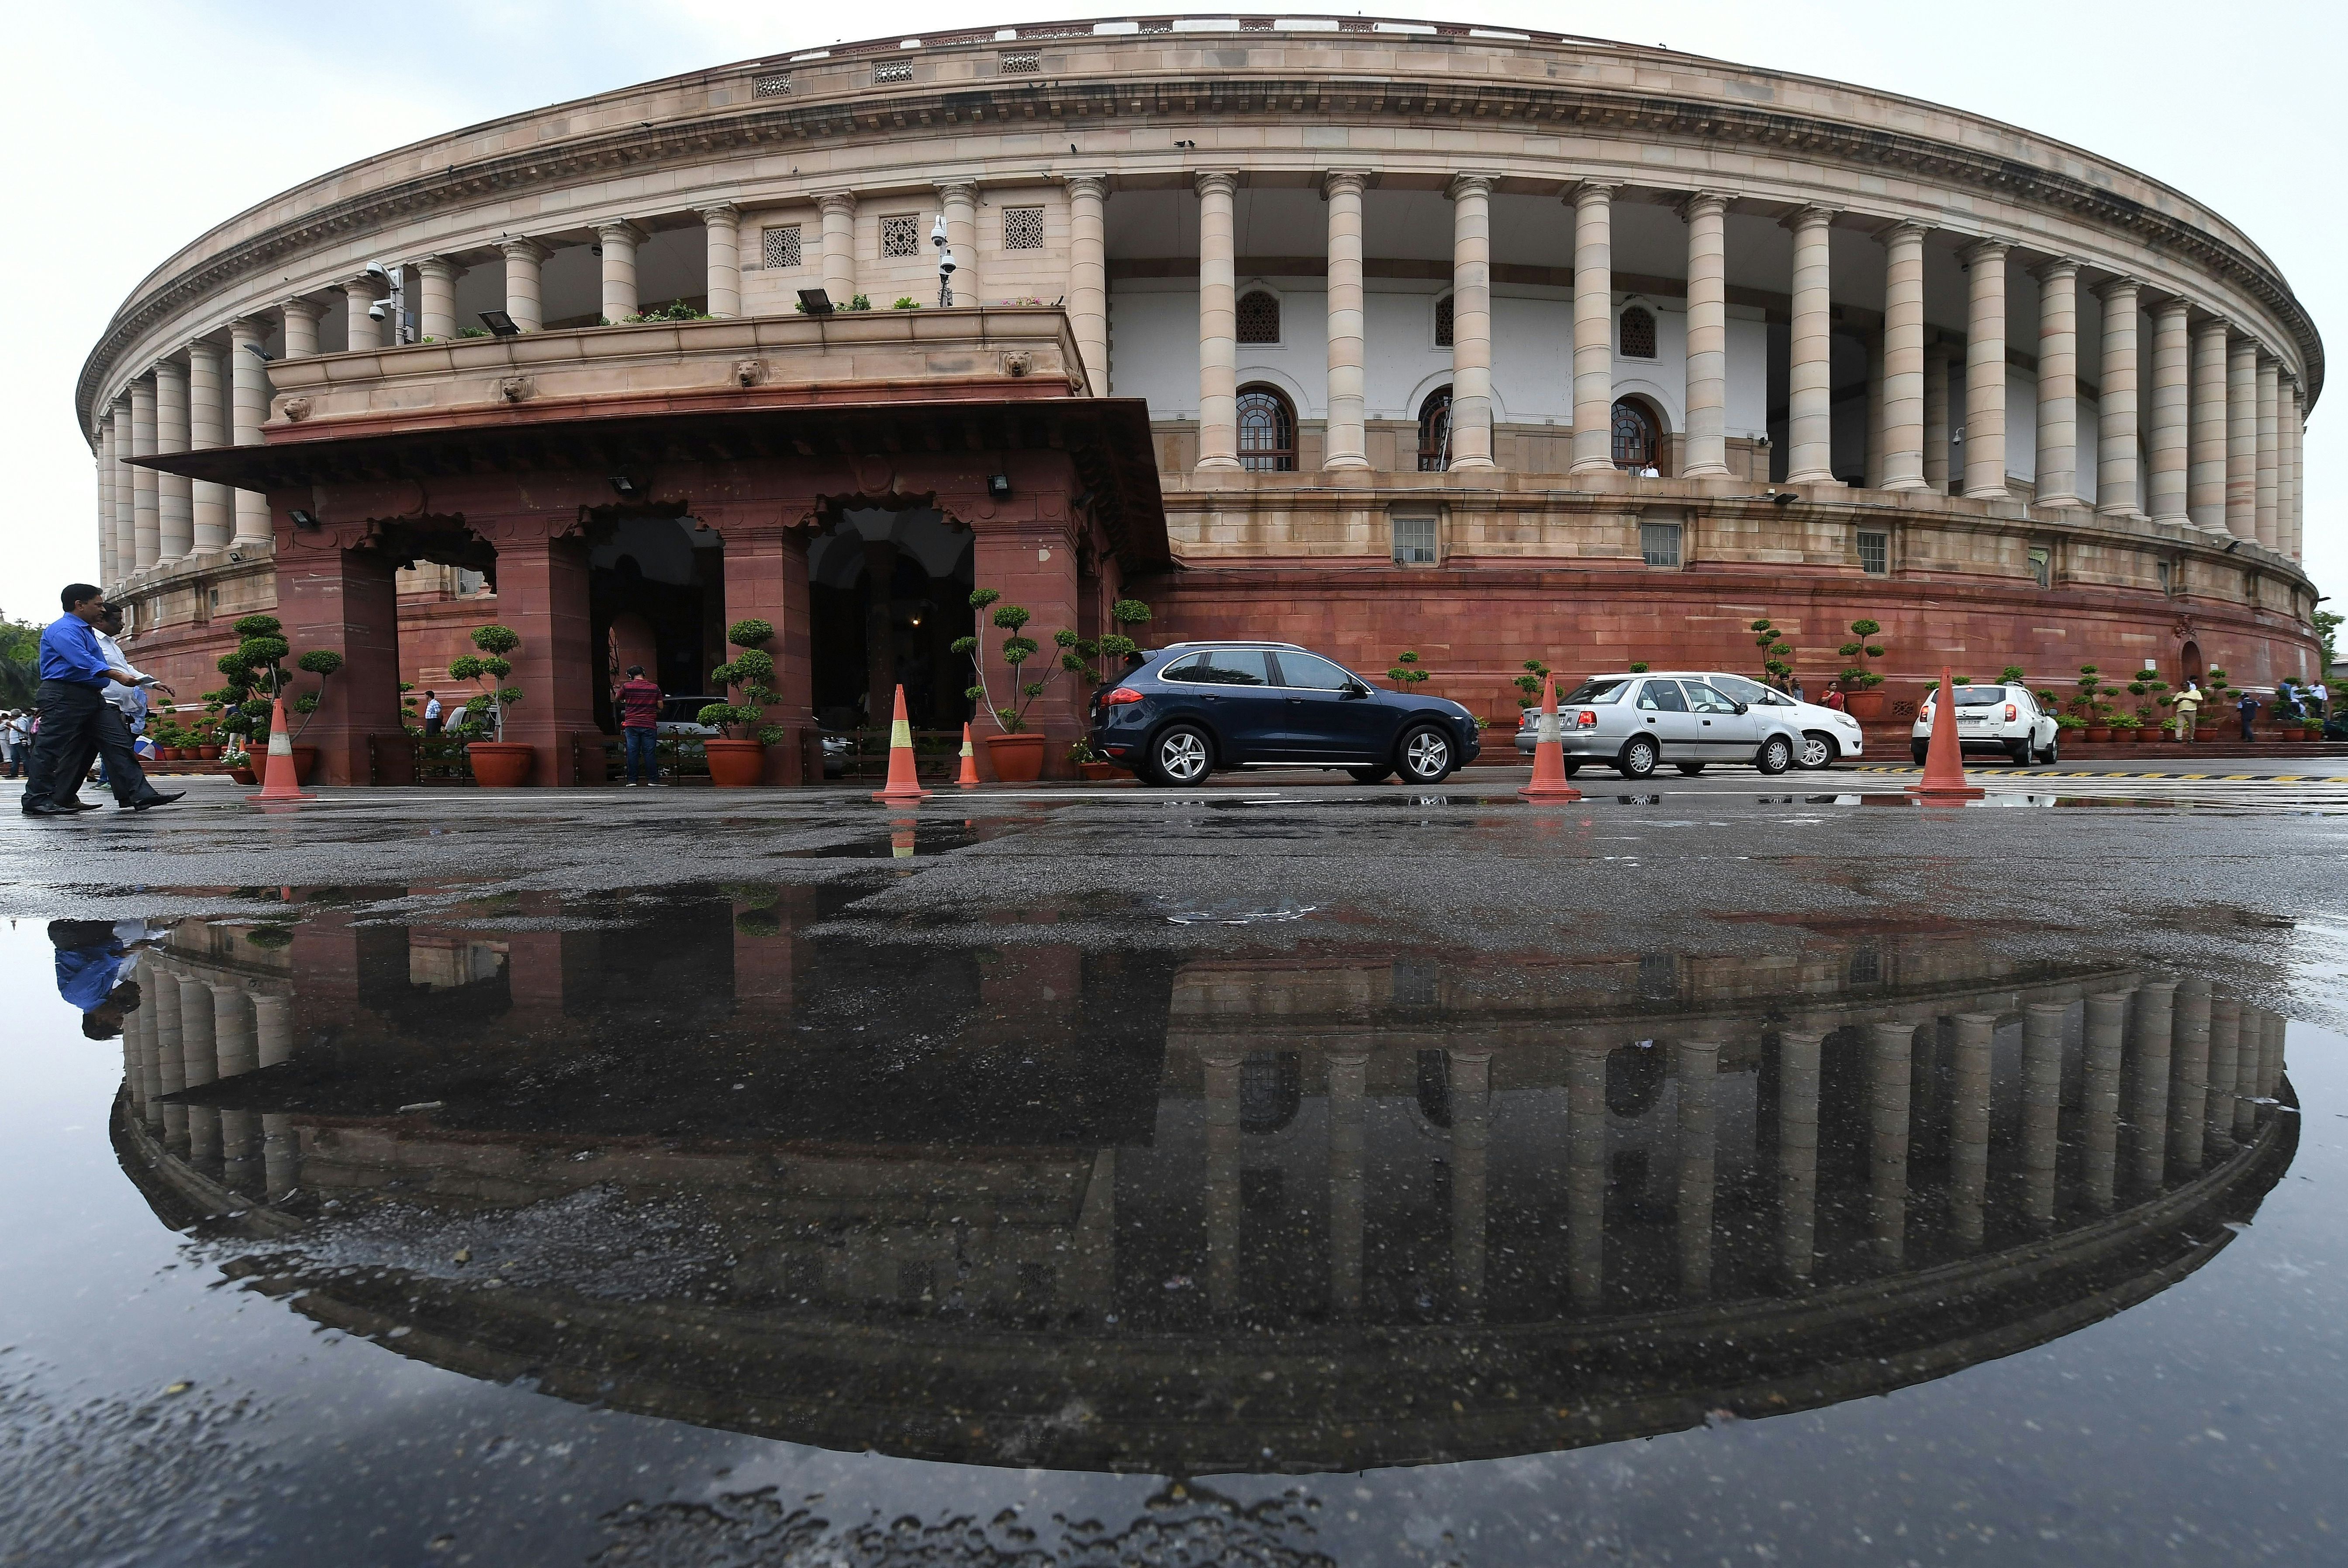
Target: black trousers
<point>78,724</point>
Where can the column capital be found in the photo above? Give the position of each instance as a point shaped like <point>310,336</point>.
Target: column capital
<point>2173,306</point>
<point>525,249</point>
<point>1988,247</point>
<point>1586,192</point>
<point>1216,181</point>
<point>719,213</point>
<point>1902,231</point>
<point>2268,357</point>
<point>958,191</point>
<point>367,284</point>
<point>831,202</point>
<point>1810,217</point>
<point>2112,288</point>
<point>1470,184</point>
<point>1354,181</point>
<point>1093,185</point>
<point>1702,204</point>
<point>247,328</point>
<point>623,230</point>
<point>299,309</point>
<point>439,267</point>
<point>2055,267</point>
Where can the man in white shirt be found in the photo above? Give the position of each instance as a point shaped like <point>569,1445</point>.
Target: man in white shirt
<point>431,714</point>
<point>13,740</point>
<point>130,702</point>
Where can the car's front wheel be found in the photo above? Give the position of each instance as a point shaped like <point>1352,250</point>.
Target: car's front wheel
<point>1919,750</point>
<point>1180,755</point>
<point>1775,756</point>
<point>1817,751</point>
<point>1371,775</point>
<point>1639,758</point>
<point>1427,755</point>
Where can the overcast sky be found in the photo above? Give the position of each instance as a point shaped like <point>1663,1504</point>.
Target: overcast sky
<point>134,126</point>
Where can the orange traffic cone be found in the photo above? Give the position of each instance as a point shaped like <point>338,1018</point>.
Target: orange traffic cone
<point>902,784</point>
<point>1548,781</point>
<point>277,780</point>
<point>969,779</point>
<point>1944,761</point>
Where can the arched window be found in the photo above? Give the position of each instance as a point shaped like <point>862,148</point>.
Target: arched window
<point>1267,430</point>
<point>1638,332</point>
<point>1443,319</point>
<point>1435,432</point>
<point>1259,317</point>
<point>1637,442</point>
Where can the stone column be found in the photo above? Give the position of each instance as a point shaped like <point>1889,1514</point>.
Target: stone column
<point>2189,1091</point>
<point>126,492</point>
<point>1904,395</point>
<point>281,1155</point>
<point>1593,328</point>
<point>2266,454</point>
<point>2225,1068</point>
<point>2248,1055</point>
<point>273,1028</point>
<point>1696,1067</point>
<point>1809,419</point>
<point>1871,461</point>
<point>620,241</point>
<point>1936,417</point>
<point>105,455</point>
<point>1348,1197</point>
<point>2150,1025</point>
<point>960,202</point>
<point>766,579</point>
<point>1088,275</point>
<point>361,331</point>
<point>302,317</point>
<point>1471,324</point>
<point>2242,437</point>
<point>1985,370</point>
<point>2295,433</point>
<point>1347,443</point>
<point>248,376</point>
<point>146,508</point>
<point>2042,1107</point>
<point>237,1050</point>
<point>542,594</point>
<point>207,427</point>
<point>1969,1093</point>
<point>525,288</point>
<point>1797,1151</point>
<point>2206,471</point>
<point>435,316</point>
<point>1223,1087</point>
<point>2106,1035</point>
<point>2057,481</point>
<point>1471,1087</point>
<point>1218,433</point>
<point>160,990</point>
<point>2115,447</point>
<point>2167,439</point>
<point>175,505</point>
<point>1706,449</point>
<point>1887,1102</point>
<point>150,1059</point>
<point>721,232</point>
<point>199,1058</point>
<point>347,601</point>
<point>1585,1175</point>
<point>838,210</point>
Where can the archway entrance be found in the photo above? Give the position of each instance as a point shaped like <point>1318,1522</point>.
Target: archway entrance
<point>2189,664</point>
<point>889,593</point>
<point>655,596</point>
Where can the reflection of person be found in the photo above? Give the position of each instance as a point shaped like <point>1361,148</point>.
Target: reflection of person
<point>94,962</point>
<point>76,720</point>
<point>639,701</point>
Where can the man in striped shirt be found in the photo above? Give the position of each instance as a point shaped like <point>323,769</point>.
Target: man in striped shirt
<point>639,701</point>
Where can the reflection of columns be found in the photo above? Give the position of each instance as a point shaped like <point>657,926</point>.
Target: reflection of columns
<point>1969,1091</point>
<point>1593,328</point>
<point>838,210</point>
<point>958,205</point>
<point>1810,386</point>
<point>281,1154</point>
<point>2107,1033</point>
<point>721,230</point>
<point>248,379</point>
<point>2168,441</point>
<point>2042,1107</point>
<point>1471,1085</point>
<point>200,1054</point>
<point>1088,275</point>
<point>620,240</point>
<point>2242,437</point>
<point>1471,324</point>
<point>1903,359</point>
<point>2271,1060</point>
<point>2205,486</point>
<point>150,1058</point>
<point>1697,1068</point>
<point>525,283</point>
<point>436,292</point>
<point>208,427</point>
<point>1347,442</point>
<point>1936,417</point>
<point>2251,1027</point>
<point>2116,443</point>
<point>2266,433</point>
<point>2189,1095</point>
<point>273,1028</point>
<point>164,998</point>
<point>1797,1151</point>
<point>1707,448</point>
<point>174,493</point>
<point>1223,1073</point>
<point>1985,370</point>
<point>1348,1080</point>
<point>2150,1023</point>
<point>242,1168</point>
<point>2058,484</point>
<point>2225,1067</point>
<point>1585,1175</point>
<point>1887,1104</point>
<point>233,1044</point>
<point>1218,431</point>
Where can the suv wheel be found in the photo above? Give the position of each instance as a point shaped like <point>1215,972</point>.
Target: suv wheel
<point>1776,755</point>
<point>1182,755</point>
<point>1817,751</point>
<point>1425,753</point>
<point>1918,750</point>
<point>1639,758</point>
<point>2020,752</point>
<point>1371,775</point>
<point>2053,752</point>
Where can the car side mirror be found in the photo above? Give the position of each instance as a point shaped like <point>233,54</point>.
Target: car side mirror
<point>1355,691</point>
<point>1742,706</point>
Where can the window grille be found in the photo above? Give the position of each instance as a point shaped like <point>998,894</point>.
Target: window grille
<point>1414,541</point>
<point>901,235</point>
<point>1443,322</point>
<point>1659,977</point>
<point>2042,567</point>
<point>1023,227</point>
<point>1267,430</point>
<point>772,86</point>
<point>1259,317</point>
<point>1637,442</point>
<point>1874,553</point>
<point>1160,26</point>
<point>778,247</point>
<point>1026,64</point>
<point>1659,543</point>
<point>1435,432</point>
<point>1866,965</point>
<point>889,71</point>
<point>1638,334</point>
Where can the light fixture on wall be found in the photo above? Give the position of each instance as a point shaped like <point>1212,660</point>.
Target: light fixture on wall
<point>306,521</point>
<point>627,489</point>
<point>998,487</point>
<point>259,352</point>
<point>500,324</point>
<point>814,301</point>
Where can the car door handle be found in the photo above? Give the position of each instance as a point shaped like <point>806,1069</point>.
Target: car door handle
<point>1295,701</point>
<point>1651,721</point>
<point>1707,724</point>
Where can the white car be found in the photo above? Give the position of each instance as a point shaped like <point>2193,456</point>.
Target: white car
<point>1993,718</point>
<point>1826,735</point>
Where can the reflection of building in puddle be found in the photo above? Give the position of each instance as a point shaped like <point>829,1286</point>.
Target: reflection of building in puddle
<point>443,962</point>
<point>1039,1205</point>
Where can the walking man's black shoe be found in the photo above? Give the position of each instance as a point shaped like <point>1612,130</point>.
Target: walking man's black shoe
<point>77,804</point>
<point>158,799</point>
<point>45,810</point>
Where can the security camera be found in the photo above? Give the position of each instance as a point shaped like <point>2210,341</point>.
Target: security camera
<point>946,263</point>
<point>375,269</point>
<point>938,231</point>
<point>379,310</point>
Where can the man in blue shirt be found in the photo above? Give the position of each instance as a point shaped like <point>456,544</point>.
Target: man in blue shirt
<point>76,720</point>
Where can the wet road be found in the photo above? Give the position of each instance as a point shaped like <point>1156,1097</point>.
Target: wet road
<point>1271,1175</point>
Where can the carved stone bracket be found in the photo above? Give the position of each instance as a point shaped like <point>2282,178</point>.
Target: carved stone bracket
<point>295,408</point>
<point>517,388</point>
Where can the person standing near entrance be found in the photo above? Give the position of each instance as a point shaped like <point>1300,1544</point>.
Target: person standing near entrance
<point>432,714</point>
<point>639,704</point>
<point>76,720</point>
<point>2189,707</point>
<point>2249,709</point>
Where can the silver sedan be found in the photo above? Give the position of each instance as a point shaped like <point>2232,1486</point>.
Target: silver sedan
<point>1636,723</point>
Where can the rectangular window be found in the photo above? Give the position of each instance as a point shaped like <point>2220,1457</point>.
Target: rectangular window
<point>779,248</point>
<point>2168,578</point>
<point>773,87</point>
<point>2042,567</point>
<point>1874,552</point>
<point>901,235</point>
<point>889,71</point>
<point>1866,965</point>
<point>1024,64</point>
<point>1023,227</point>
<point>1659,543</point>
<point>1414,541</point>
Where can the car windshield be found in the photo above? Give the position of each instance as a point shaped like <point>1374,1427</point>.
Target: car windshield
<point>1606,689</point>
<point>1745,691</point>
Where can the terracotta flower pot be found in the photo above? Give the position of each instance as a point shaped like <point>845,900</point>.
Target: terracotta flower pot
<point>1018,759</point>
<point>305,762</point>
<point>1867,705</point>
<point>1097,771</point>
<point>2099,733</point>
<point>501,764</point>
<point>168,753</point>
<point>208,753</point>
<point>242,775</point>
<point>736,764</point>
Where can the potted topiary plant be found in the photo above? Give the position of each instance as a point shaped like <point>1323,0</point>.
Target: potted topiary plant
<point>1406,672</point>
<point>2214,723</point>
<point>1016,753</point>
<point>737,756</point>
<point>498,763</point>
<point>2091,705</point>
<point>1862,697</point>
<point>257,677</point>
<point>1088,761</point>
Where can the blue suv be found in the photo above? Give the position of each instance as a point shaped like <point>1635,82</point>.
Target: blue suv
<point>1185,711</point>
